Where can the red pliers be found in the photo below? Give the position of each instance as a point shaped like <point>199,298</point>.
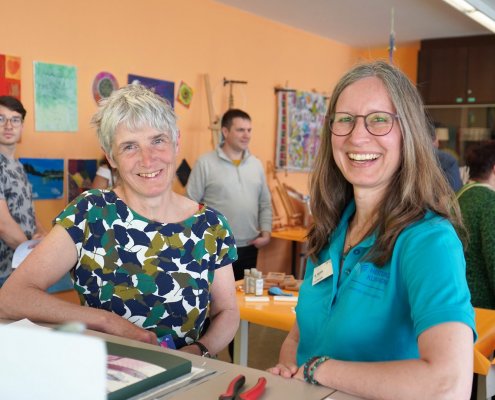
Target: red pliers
<point>235,386</point>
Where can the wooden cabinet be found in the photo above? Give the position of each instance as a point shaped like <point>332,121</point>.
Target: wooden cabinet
<point>457,70</point>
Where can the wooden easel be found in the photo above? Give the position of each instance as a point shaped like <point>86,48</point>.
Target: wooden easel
<point>231,84</point>
<point>214,119</point>
<point>276,218</point>
<point>216,129</point>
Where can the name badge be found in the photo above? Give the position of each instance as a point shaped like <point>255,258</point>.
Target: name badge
<point>322,271</point>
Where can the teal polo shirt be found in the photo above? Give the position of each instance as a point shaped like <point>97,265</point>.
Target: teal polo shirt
<point>366,313</point>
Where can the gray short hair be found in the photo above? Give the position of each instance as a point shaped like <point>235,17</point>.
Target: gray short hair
<point>133,106</point>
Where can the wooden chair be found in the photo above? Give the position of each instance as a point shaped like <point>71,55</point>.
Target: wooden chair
<point>294,218</point>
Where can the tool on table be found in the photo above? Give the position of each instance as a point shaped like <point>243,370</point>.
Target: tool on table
<point>276,291</point>
<point>235,386</point>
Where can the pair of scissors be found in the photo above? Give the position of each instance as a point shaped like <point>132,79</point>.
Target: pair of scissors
<point>234,389</point>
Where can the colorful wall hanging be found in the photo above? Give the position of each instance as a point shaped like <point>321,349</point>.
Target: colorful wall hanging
<point>103,85</point>
<point>55,97</point>
<point>10,76</point>
<point>184,94</point>
<point>46,176</point>
<point>80,177</point>
<point>300,119</point>
<point>163,88</point>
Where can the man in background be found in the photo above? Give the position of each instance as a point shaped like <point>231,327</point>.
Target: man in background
<point>448,163</point>
<point>231,180</point>
<point>18,222</point>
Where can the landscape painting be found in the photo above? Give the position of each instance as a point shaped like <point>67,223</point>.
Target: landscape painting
<point>46,176</point>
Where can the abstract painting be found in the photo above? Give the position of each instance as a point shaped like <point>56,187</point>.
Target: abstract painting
<point>80,177</point>
<point>301,116</point>
<point>10,76</point>
<point>55,97</point>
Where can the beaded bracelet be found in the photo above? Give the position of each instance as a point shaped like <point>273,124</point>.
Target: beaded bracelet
<point>311,373</point>
<point>306,369</point>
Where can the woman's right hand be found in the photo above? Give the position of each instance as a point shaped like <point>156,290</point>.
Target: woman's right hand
<point>116,325</point>
<point>287,366</point>
<point>144,335</point>
<point>285,370</point>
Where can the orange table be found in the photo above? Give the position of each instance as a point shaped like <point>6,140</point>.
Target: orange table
<point>281,315</point>
<point>271,313</point>
<point>484,366</point>
<point>295,235</point>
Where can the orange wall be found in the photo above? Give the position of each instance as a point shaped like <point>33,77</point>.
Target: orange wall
<point>405,57</point>
<point>171,40</point>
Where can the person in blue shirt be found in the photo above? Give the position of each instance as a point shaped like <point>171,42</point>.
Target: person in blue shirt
<point>384,311</point>
<point>447,161</point>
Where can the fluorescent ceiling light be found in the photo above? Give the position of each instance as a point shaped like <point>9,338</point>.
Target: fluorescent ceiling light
<point>484,20</point>
<point>479,10</point>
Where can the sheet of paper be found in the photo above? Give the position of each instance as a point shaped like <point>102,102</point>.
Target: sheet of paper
<point>257,299</point>
<point>40,363</point>
<point>123,371</point>
<point>22,251</point>
<point>292,299</point>
<point>26,323</point>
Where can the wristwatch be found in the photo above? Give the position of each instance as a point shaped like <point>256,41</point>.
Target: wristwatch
<point>203,348</point>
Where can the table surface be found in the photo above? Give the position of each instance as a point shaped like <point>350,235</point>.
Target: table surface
<point>273,314</point>
<point>212,387</point>
<point>276,387</point>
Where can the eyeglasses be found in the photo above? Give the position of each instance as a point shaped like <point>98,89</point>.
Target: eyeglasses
<point>14,121</point>
<point>378,123</point>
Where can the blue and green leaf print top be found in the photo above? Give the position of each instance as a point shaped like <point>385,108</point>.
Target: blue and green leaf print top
<point>156,275</point>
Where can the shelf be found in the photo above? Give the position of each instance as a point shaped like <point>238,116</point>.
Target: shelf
<point>467,124</point>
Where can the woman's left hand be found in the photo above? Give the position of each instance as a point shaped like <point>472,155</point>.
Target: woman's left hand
<point>299,374</point>
<point>284,370</point>
<point>191,349</point>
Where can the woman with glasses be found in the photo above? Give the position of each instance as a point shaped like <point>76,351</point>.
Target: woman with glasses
<point>384,310</point>
<point>148,264</point>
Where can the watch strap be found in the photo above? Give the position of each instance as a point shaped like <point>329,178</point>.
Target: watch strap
<point>203,348</point>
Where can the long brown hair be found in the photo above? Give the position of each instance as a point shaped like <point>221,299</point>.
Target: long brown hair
<point>418,184</point>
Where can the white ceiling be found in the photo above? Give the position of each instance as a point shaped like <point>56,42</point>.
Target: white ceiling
<point>366,23</point>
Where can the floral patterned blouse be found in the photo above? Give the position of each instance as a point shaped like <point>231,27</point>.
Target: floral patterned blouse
<point>156,275</point>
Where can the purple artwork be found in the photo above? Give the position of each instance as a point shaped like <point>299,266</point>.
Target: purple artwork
<point>163,88</point>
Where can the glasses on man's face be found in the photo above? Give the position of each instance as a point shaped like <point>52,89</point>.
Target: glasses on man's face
<point>14,121</point>
<point>378,123</point>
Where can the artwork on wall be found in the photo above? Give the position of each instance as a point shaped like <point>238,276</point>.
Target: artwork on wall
<point>103,85</point>
<point>163,88</point>
<point>10,76</point>
<point>184,94</point>
<point>46,176</point>
<point>80,177</point>
<point>183,172</point>
<point>55,97</point>
<point>300,119</point>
